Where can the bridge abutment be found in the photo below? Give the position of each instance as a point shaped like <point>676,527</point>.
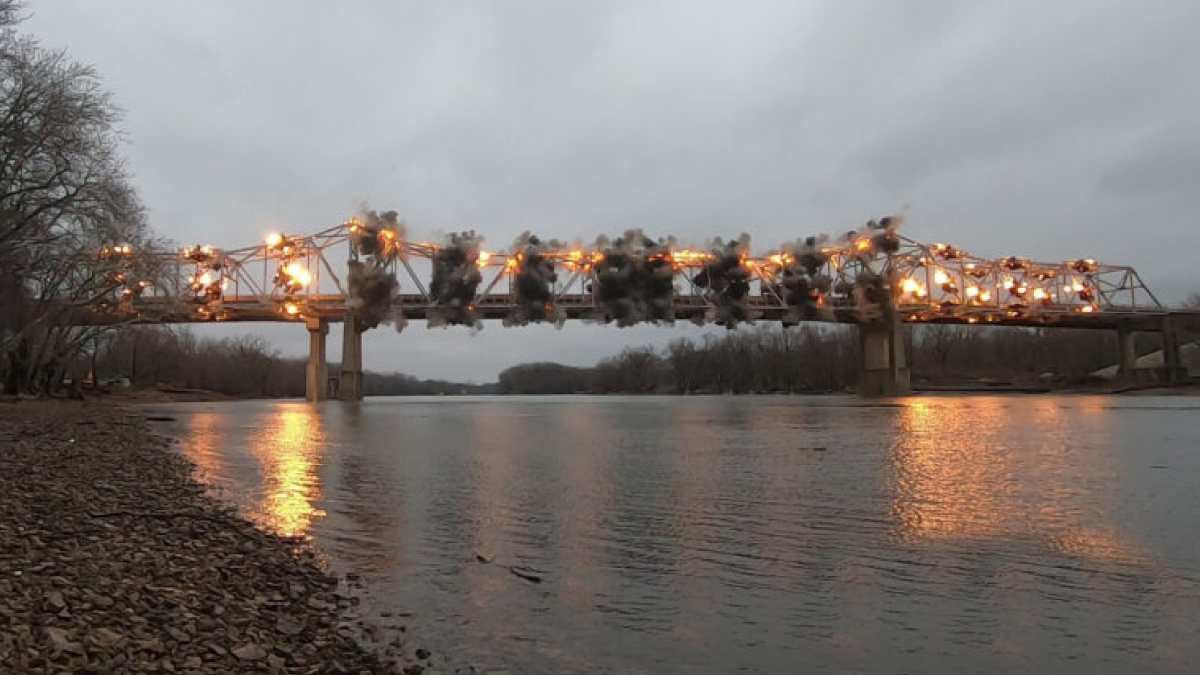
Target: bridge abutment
<point>884,370</point>
<point>350,385</point>
<point>314,375</point>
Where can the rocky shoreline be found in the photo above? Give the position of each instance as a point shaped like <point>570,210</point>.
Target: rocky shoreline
<point>114,560</point>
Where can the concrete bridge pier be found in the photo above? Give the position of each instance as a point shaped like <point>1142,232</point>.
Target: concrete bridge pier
<point>1127,366</point>
<point>314,374</point>
<point>350,386</point>
<point>1174,371</point>
<point>1170,371</point>
<point>885,370</point>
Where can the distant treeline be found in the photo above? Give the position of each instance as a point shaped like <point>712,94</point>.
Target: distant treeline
<point>244,366</point>
<point>816,359</point>
<point>812,358</point>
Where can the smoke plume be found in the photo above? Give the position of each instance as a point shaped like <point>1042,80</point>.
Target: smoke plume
<point>634,280</point>
<point>533,283</point>
<point>726,280</point>
<point>373,290</point>
<point>456,277</point>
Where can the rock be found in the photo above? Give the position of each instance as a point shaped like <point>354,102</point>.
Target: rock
<point>55,600</point>
<point>289,625</point>
<point>154,646</point>
<point>60,643</point>
<point>105,638</point>
<point>423,654</point>
<point>250,652</point>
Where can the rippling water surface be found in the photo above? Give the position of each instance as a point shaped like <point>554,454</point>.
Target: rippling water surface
<point>757,535</point>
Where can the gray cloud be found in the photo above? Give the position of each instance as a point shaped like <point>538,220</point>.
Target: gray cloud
<point>1045,129</point>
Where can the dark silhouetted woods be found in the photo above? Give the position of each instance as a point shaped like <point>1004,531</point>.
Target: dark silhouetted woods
<point>824,358</point>
<point>246,366</point>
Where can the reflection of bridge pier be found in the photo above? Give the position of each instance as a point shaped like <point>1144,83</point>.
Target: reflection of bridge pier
<point>350,386</point>
<point>314,373</point>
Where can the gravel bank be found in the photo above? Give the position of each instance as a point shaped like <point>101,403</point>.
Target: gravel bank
<point>112,560</point>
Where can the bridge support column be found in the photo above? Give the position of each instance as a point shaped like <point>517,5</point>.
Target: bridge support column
<point>314,374</point>
<point>350,386</point>
<point>1127,368</point>
<point>884,369</point>
<point>1173,370</point>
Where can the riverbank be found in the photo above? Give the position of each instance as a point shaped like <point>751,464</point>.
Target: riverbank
<point>114,560</point>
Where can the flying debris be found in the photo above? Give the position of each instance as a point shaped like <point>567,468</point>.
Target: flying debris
<point>378,235</point>
<point>456,278</point>
<point>726,278</point>
<point>860,275</point>
<point>635,280</point>
<point>533,278</point>
<point>373,290</point>
<point>376,240</point>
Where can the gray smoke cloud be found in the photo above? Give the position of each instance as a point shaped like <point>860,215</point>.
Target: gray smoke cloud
<point>373,291</point>
<point>726,281</point>
<point>533,283</point>
<point>456,279</point>
<point>379,235</point>
<point>635,280</point>
<point>805,286</point>
<point>378,239</point>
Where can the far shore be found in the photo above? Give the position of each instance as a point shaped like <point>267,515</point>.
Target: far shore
<point>166,394</point>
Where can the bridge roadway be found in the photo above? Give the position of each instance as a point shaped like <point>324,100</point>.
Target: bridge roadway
<point>332,308</point>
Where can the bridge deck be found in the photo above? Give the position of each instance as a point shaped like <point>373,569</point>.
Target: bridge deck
<point>583,307</point>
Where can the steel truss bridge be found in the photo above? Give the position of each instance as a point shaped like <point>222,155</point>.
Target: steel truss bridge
<point>367,270</point>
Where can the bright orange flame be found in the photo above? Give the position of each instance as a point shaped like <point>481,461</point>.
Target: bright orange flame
<point>297,273</point>
<point>910,286</point>
<point>483,258</point>
<point>291,308</point>
<point>940,277</point>
<point>274,239</point>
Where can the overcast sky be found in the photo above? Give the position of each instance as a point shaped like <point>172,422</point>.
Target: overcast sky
<point>1047,129</point>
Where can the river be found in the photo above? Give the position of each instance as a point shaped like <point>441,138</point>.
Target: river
<point>742,534</point>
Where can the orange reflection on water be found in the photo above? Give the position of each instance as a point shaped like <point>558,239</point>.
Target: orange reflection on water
<point>289,451</point>
<point>200,446</point>
<point>979,469</point>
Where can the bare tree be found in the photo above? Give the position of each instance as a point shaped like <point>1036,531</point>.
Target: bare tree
<point>64,198</point>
